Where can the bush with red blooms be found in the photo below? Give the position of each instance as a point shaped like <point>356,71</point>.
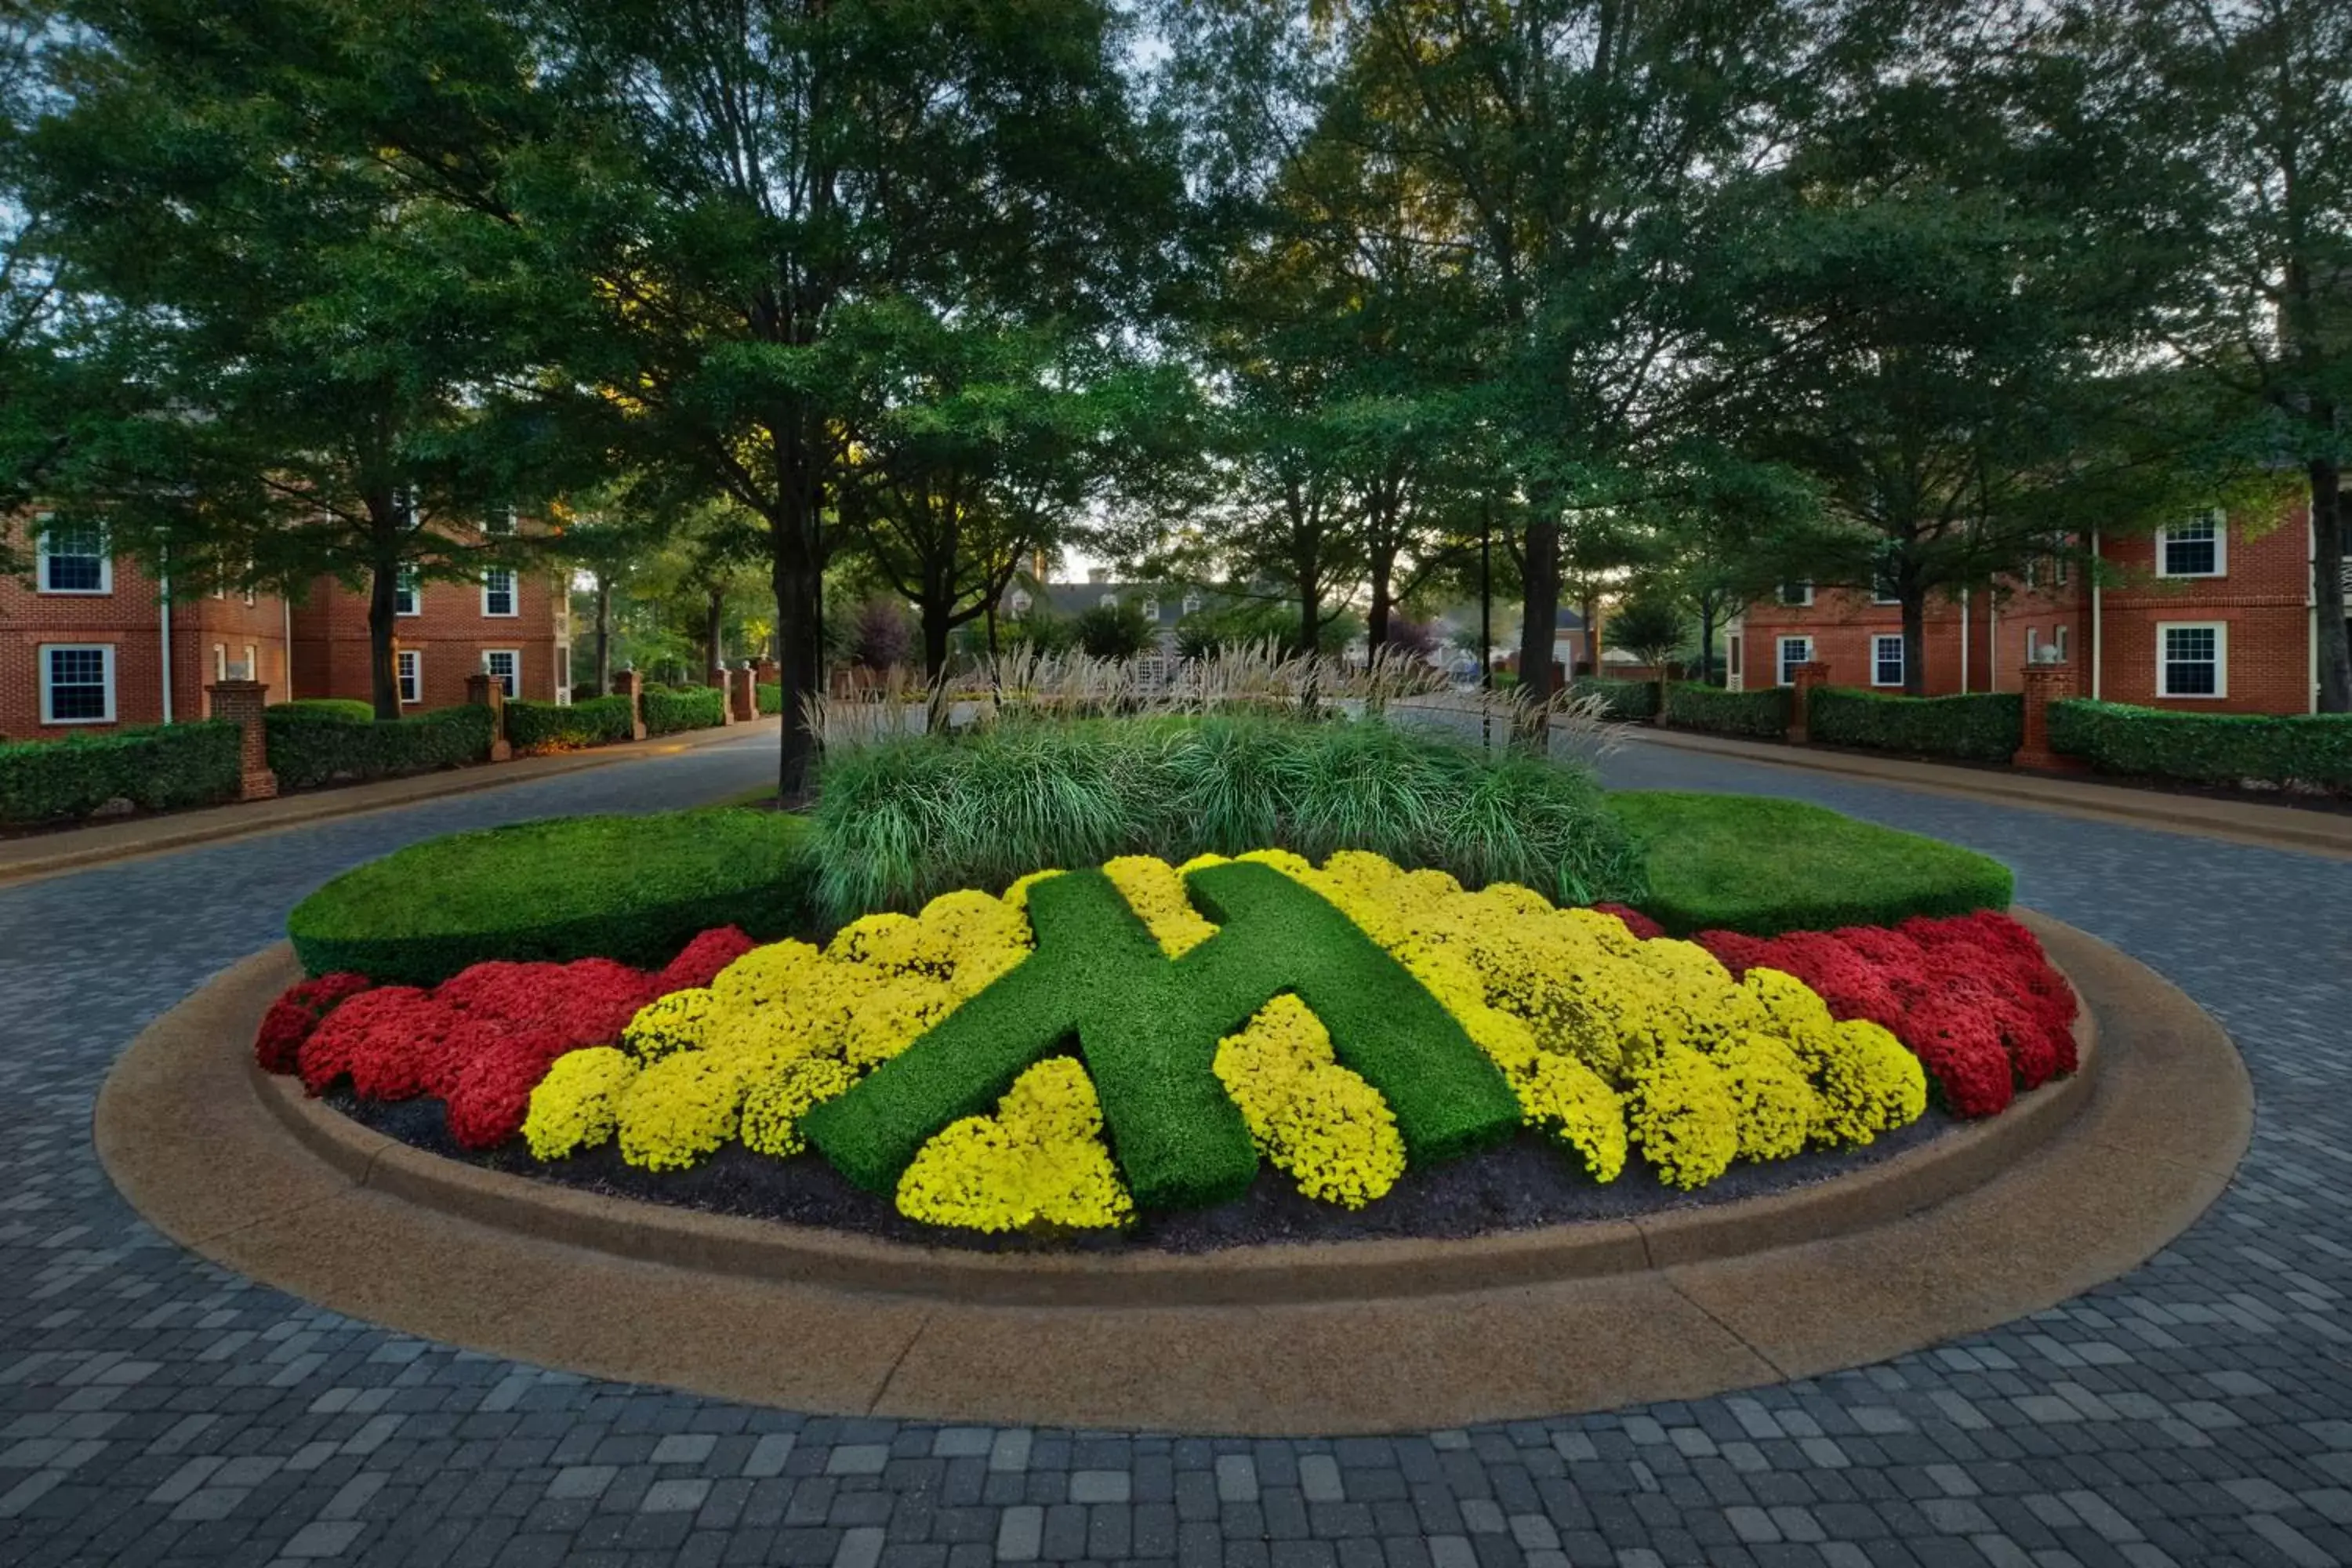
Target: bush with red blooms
<point>1972,995</point>
<point>481,1040</point>
<point>293,1015</point>
<point>1640,924</point>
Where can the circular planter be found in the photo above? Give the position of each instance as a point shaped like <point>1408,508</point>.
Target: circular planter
<point>2076,1183</point>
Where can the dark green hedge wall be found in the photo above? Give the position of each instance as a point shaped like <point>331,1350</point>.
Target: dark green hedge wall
<point>156,766</point>
<point>2310,751</point>
<point>1764,714</point>
<point>1983,727</point>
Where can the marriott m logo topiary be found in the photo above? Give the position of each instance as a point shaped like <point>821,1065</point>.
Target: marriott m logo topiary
<point>1148,1027</point>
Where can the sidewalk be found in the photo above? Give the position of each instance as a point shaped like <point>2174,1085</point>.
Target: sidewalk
<point>71,849</point>
<point>2242,822</point>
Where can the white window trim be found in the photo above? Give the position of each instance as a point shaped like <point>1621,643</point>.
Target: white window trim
<point>2033,645</point>
<point>2221,553</point>
<point>514,593</point>
<point>253,662</point>
<point>413,662</point>
<point>1781,676</point>
<point>409,579</point>
<point>41,573</point>
<point>1109,602</point>
<point>1150,609</point>
<point>1780,597</point>
<point>220,661</point>
<point>2220,630</point>
<point>2058,640</point>
<point>1900,671</point>
<point>49,706</point>
<point>513,653</point>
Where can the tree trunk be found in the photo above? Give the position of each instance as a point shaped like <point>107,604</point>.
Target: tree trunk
<point>1915,640</point>
<point>714,629</point>
<point>2327,585</point>
<point>1588,606</point>
<point>936,632</point>
<point>1376,621</point>
<point>384,676</point>
<point>604,634</point>
<point>1705,641</point>
<point>1539,610</point>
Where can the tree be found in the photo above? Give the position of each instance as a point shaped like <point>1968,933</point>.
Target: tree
<point>1650,629</point>
<point>2229,126</point>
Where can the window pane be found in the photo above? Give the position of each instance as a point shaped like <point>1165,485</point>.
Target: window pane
<point>1887,660</point>
<point>2192,661</point>
<point>498,591</point>
<point>74,561</point>
<point>77,683</point>
<point>2193,550</point>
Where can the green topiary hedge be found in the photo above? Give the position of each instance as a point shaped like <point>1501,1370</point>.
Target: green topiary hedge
<point>1753,864</point>
<point>1627,701</point>
<point>2306,750</point>
<point>768,696</point>
<point>633,888</point>
<point>156,766</point>
<point>350,709</point>
<point>310,744</point>
<point>598,721</point>
<point>1764,714</point>
<point>1983,727</point>
<point>670,710</point>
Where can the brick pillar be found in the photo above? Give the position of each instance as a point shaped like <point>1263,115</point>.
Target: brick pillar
<point>240,702</point>
<point>628,683</point>
<point>724,682</point>
<point>2044,684</point>
<point>1806,678</point>
<point>484,691</point>
<point>745,700</point>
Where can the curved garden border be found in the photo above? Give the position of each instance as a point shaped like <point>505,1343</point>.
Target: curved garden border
<point>1972,1229</point>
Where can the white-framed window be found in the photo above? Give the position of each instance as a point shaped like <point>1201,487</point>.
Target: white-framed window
<point>2058,571</point>
<point>1018,602</point>
<point>1191,604</point>
<point>2192,658</point>
<point>74,560</point>
<point>252,662</point>
<point>220,661</point>
<point>408,674</point>
<point>1150,609</point>
<point>408,591</point>
<point>1796,593</point>
<point>504,664</point>
<point>1731,647</point>
<point>1110,601</point>
<point>1885,586</point>
<point>77,683</point>
<point>2058,642</point>
<point>1793,651</point>
<point>2195,549</point>
<point>2033,645</point>
<point>1886,660</point>
<point>498,592</point>
<point>500,523</point>
<point>564,672</point>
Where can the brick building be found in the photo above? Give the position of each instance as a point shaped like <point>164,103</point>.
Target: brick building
<point>2212,615</point>
<point>91,642</point>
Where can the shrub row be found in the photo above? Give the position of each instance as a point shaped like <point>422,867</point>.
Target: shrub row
<point>315,743</point>
<point>2307,751</point>
<point>669,710</point>
<point>1691,705</point>
<point>768,696</point>
<point>1627,701</point>
<point>158,768</point>
<point>597,721</point>
<point>1983,727</point>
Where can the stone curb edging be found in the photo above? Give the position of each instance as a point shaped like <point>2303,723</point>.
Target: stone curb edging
<point>1253,1275</point>
<point>2150,1140</point>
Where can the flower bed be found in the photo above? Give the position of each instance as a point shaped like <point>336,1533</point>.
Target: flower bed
<point>1097,1046</point>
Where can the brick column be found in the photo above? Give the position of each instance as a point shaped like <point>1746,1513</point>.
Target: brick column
<point>745,700</point>
<point>628,683</point>
<point>240,702</point>
<point>2044,684</point>
<point>1807,677</point>
<point>484,691</point>
<point>724,680</point>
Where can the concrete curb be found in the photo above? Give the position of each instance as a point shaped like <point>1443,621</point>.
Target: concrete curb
<point>78,848</point>
<point>2239,822</point>
<point>1981,1226</point>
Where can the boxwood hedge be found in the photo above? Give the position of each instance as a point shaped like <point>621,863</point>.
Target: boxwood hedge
<point>1627,701</point>
<point>597,721</point>
<point>633,888</point>
<point>768,696</point>
<point>671,708</point>
<point>310,744</point>
<point>1983,727</point>
<point>156,766</point>
<point>1764,714</point>
<point>2304,751</point>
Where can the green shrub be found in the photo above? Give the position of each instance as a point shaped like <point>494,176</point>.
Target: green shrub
<point>670,710</point>
<point>598,721</point>
<point>1983,727</point>
<point>633,888</point>
<point>350,709</point>
<point>157,766</point>
<point>2306,751</point>
<point>903,821</point>
<point>1764,714</point>
<point>768,696</point>
<point>1764,866</point>
<point>309,746</point>
<point>1627,701</point>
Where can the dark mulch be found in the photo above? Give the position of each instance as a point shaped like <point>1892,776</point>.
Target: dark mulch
<point>1526,1183</point>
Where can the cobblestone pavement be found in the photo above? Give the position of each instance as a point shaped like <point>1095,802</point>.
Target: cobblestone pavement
<point>154,1409</point>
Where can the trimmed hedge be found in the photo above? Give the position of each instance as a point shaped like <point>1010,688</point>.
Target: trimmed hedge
<point>1764,866</point>
<point>308,745</point>
<point>1691,705</point>
<point>157,766</point>
<point>1150,1027</point>
<point>669,710</point>
<point>598,721</point>
<point>1983,727</point>
<point>2304,751</point>
<point>350,709</point>
<point>1627,701</point>
<point>768,696</point>
<point>637,888</point>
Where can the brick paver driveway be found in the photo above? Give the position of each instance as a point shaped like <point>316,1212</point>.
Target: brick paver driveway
<point>154,1409</point>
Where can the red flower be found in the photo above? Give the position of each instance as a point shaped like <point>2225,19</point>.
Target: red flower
<point>1735,951</point>
<point>1640,924</point>
<point>701,959</point>
<point>1963,1054</point>
<point>490,1091</point>
<point>372,1038</point>
<point>293,1015</point>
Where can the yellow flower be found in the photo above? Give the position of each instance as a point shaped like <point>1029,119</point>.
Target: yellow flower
<point>677,1022</point>
<point>1039,1161</point>
<point>577,1104</point>
<point>1312,1119</point>
<point>1156,893</point>
<point>1682,1113</point>
<point>1778,1108</point>
<point>774,1106</point>
<point>1017,896</point>
<point>677,1112</point>
<point>892,1014</point>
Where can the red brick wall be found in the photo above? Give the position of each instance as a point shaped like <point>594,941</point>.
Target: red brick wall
<point>2263,597</point>
<point>449,634</point>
